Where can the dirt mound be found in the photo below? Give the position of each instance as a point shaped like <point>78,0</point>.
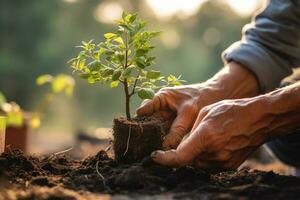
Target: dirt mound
<point>39,178</point>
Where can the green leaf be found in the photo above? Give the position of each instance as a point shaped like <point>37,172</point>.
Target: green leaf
<point>91,80</point>
<point>140,62</point>
<point>85,75</point>
<point>110,35</point>
<point>107,72</point>
<point>141,52</point>
<point>153,74</point>
<point>114,84</point>
<point>95,65</point>
<point>41,80</point>
<point>119,40</point>
<point>127,72</point>
<point>124,14</point>
<point>130,18</point>
<point>146,93</point>
<point>2,99</point>
<point>61,82</point>
<point>116,75</point>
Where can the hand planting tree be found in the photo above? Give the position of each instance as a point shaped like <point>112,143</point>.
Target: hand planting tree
<point>124,59</point>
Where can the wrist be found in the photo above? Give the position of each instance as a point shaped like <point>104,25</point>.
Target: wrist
<point>281,109</point>
<point>284,100</point>
<point>234,81</point>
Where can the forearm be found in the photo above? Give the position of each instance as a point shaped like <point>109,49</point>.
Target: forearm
<point>284,107</point>
<point>232,82</point>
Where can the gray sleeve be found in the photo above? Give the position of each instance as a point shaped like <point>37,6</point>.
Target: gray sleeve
<point>270,46</point>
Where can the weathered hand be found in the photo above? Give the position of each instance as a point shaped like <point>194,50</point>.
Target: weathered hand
<point>178,104</point>
<point>182,104</point>
<point>224,134</point>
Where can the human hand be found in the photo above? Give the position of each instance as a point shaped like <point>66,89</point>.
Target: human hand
<point>181,105</point>
<point>178,104</point>
<point>224,134</point>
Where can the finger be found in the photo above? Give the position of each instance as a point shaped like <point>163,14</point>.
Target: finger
<point>149,107</point>
<point>203,112</point>
<point>166,158</point>
<point>193,146</point>
<point>184,155</point>
<point>180,127</point>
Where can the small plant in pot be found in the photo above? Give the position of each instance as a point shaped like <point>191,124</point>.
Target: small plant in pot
<point>124,59</point>
<point>20,122</point>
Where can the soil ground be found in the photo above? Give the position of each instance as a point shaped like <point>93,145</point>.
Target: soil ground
<point>100,177</point>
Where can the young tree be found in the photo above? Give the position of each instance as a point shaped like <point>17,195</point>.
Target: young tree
<point>123,59</point>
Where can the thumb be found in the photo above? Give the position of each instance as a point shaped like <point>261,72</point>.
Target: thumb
<point>184,155</point>
<point>167,158</point>
<point>149,107</point>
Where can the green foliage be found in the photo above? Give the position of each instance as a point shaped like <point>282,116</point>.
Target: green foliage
<point>2,99</point>
<point>14,113</point>
<point>15,116</point>
<point>60,83</point>
<point>124,57</point>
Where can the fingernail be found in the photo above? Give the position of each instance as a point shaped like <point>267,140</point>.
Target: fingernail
<point>154,154</point>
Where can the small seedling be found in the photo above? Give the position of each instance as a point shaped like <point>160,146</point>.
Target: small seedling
<point>123,59</point>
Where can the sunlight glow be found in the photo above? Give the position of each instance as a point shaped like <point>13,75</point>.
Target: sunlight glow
<point>166,9</point>
<point>170,39</point>
<point>70,1</point>
<point>211,36</point>
<point>108,12</point>
<point>244,7</point>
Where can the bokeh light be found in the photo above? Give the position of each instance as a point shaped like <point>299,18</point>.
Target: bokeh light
<point>166,9</point>
<point>108,12</point>
<point>244,7</point>
<point>170,38</point>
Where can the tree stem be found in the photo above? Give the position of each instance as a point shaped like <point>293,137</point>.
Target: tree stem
<point>126,89</point>
<point>127,99</point>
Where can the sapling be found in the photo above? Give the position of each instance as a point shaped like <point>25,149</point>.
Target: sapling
<point>124,59</point>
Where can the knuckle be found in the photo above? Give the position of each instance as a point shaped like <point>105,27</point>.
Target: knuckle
<point>164,90</point>
<point>178,131</point>
<point>204,111</point>
<point>171,141</point>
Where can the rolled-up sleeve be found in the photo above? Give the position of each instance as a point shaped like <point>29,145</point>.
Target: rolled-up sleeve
<point>270,46</point>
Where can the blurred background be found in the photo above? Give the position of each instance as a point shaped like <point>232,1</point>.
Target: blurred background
<point>38,37</point>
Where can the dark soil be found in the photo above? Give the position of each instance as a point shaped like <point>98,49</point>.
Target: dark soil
<point>58,177</point>
<point>135,139</point>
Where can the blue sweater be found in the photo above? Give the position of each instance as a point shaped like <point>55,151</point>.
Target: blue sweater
<point>270,46</point>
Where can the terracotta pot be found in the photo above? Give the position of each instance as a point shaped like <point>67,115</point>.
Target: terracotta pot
<point>2,133</point>
<point>17,138</point>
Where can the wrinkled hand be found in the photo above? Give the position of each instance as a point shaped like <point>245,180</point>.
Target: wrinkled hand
<point>224,134</point>
<point>180,105</point>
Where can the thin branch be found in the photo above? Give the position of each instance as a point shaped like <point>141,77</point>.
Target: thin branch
<point>135,83</point>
